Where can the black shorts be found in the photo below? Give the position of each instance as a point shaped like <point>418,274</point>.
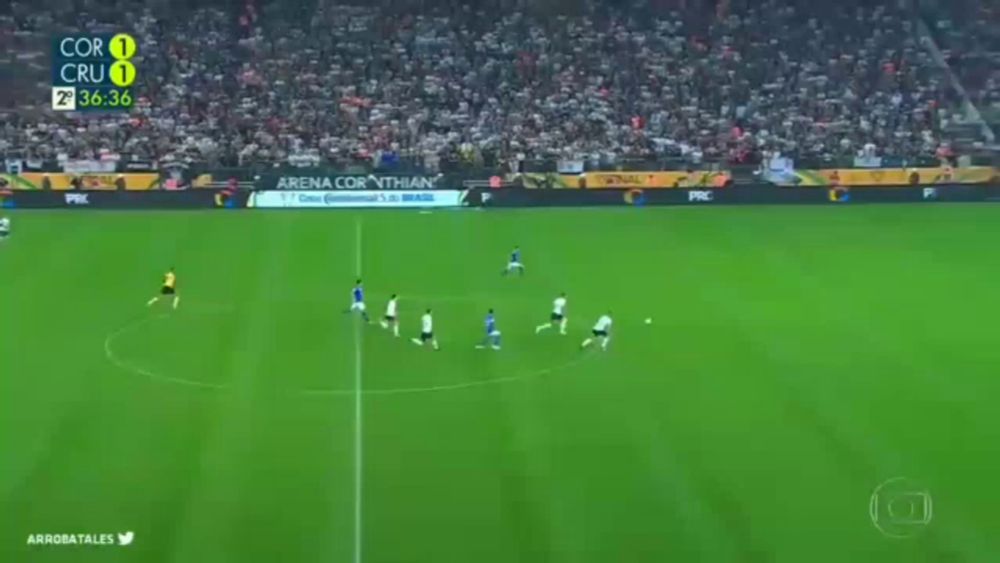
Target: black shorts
<point>4,234</point>
<point>602,333</point>
<point>167,290</point>
<point>425,336</point>
<point>389,319</point>
<point>556,317</point>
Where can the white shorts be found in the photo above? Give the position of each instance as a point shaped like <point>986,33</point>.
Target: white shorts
<point>358,306</point>
<point>514,265</point>
<point>494,333</point>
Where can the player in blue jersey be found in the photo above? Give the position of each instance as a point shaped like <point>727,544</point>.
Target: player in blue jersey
<point>515,263</point>
<point>358,301</point>
<point>492,337</point>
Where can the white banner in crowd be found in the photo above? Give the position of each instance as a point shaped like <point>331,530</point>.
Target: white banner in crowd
<point>570,166</point>
<point>83,166</point>
<point>333,200</point>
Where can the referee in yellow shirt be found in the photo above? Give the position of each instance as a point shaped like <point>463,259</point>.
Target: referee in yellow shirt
<point>169,288</point>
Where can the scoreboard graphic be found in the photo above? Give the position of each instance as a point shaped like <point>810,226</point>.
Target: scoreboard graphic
<point>93,72</point>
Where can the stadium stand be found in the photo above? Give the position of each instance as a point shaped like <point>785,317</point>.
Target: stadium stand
<point>969,33</point>
<point>671,81</point>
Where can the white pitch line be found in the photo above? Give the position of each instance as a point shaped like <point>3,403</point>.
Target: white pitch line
<point>109,353</point>
<point>452,386</point>
<point>358,450</point>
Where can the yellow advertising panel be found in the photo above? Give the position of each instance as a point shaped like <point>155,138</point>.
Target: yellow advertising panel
<point>896,176</point>
<point>63,181</point>
<point>638,180</point>
<point>646,180</point>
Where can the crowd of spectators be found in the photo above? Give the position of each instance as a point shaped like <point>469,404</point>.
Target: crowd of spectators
<point>439,80</point>
<point>969,33</point>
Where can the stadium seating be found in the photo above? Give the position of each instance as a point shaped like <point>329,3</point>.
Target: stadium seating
<point>692,81</point>
<point>969,32</point>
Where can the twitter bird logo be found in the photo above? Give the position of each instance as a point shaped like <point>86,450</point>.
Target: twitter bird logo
<point>126,538</point>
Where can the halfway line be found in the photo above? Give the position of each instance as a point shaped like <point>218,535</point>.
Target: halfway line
<point>358,451</point>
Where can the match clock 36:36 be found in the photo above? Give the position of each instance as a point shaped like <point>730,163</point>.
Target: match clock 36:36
<point>111,98</point>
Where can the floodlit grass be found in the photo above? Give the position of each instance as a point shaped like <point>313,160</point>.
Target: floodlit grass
<point>798,358</point>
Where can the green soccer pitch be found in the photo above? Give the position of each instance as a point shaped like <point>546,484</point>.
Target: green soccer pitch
<point>799,359</point>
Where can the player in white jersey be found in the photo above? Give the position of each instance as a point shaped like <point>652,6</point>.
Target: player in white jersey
<point>602,330</point>
<point>391,318</point>
<point>4,227</point>
<point>426,331</point>
<point>558,316</point>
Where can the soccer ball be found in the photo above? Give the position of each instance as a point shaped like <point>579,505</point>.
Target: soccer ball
<point>649,321</point>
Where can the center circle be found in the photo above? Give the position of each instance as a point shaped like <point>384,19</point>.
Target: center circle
<point>155,348</point>
<point>159,348</point>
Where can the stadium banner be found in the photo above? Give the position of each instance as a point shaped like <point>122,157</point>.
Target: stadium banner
<point>89,166</point>
<point>890,177</point>
<point>125,200</point>
<point>15,182</point>
<point>341,200</point>
<point>518,197</point>
<point>324,181</point>
<point>759,194</point>
<point>640,180</point>
<point>62,181</point>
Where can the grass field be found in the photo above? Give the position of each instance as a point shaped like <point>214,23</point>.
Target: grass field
<point>798,358</point>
